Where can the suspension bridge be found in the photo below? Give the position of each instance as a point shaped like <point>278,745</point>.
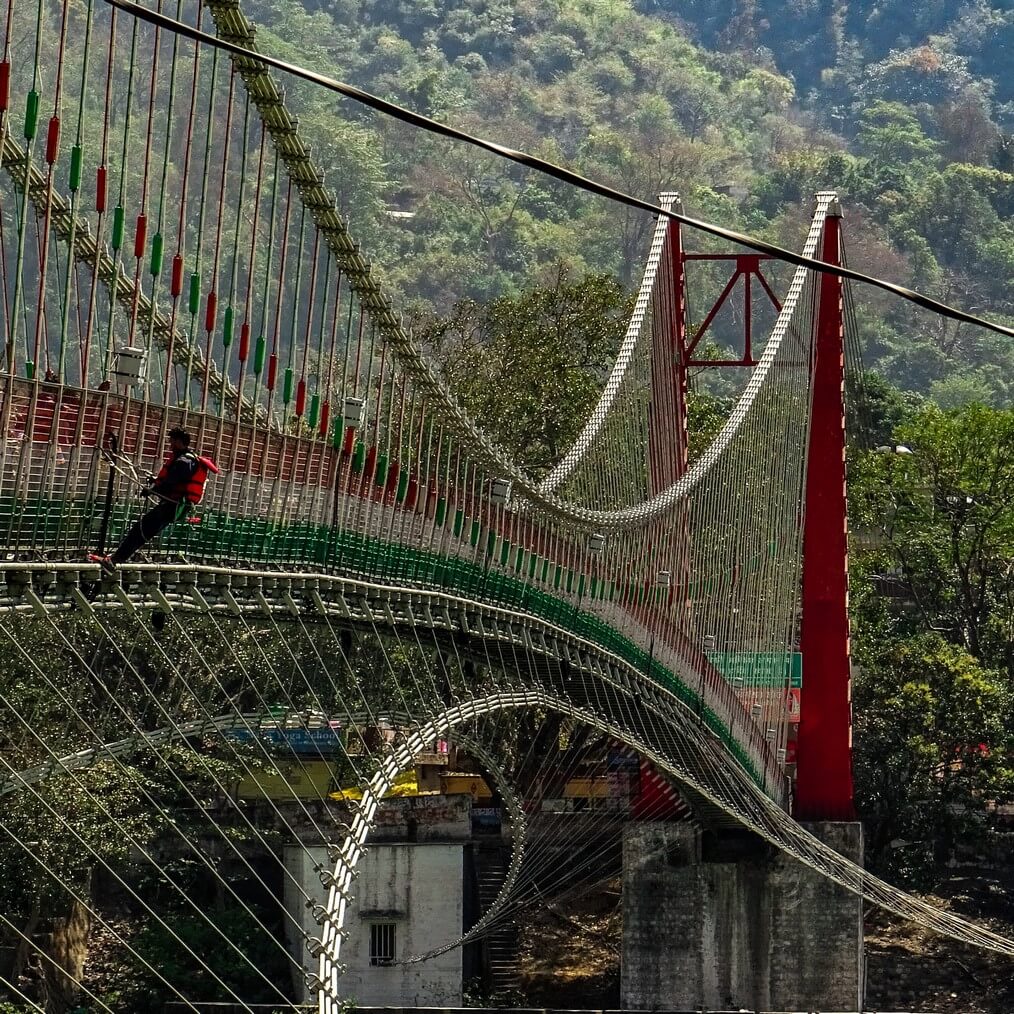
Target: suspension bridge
<point>367,559</point>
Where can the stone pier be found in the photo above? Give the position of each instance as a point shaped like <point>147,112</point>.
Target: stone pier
<point>720,920</point>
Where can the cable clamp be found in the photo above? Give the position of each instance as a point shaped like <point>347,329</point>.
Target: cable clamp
<point>319,912</point>
<point>317,947</point>
<point>333,883</point>
<point>314,984</point>
<point>230,600</point>
<point>364,604</point>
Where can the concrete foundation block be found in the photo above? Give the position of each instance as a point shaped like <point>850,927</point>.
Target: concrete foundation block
<point>724,921</point>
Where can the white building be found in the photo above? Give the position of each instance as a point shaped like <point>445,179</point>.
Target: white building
<point>407,899</point>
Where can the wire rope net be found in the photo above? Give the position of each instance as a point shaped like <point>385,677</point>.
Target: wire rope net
<point>369,581</point>
<point>210,750</point>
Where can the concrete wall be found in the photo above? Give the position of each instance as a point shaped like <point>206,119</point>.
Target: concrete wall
<point>417,887</point>
<point>429,818</point>
<point>423,819</point>
<point>818,928</point>
<point>724,922</point>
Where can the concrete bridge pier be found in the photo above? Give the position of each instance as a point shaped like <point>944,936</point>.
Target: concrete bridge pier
<point>721,920</point>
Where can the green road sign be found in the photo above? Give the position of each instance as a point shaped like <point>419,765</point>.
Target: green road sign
<point>759,668</point>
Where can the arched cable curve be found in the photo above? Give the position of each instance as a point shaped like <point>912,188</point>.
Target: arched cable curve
<point>82,760</point>
<point>236,31</point>
<point>631,339</point>
<point>519,834</point>
<point>354,601</point>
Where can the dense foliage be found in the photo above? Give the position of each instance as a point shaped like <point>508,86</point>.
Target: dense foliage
<point>906,113</point>
<point>747,108</point>
<point>933,615</point>
<point>531,368</point>
<point>521,287</point>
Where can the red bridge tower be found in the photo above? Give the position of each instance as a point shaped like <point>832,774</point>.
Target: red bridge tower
<point>824,747</point>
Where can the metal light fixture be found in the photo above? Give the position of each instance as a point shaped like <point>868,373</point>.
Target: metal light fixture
<point>129,368</point>
<point>500,491</point>
<point>354,412</point>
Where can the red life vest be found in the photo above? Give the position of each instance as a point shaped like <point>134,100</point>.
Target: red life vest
<point>193,489</point>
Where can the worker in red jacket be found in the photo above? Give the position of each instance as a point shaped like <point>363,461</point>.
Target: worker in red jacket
<point>178,485</point>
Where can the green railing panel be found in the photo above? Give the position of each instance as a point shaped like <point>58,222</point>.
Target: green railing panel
<point>218,537</point>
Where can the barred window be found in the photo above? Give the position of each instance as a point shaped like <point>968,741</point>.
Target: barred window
<point>382,942</point>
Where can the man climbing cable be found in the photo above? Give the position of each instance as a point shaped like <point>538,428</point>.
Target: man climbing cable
<point>178,485</point>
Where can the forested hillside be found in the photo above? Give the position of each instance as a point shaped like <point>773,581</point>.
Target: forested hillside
<point>845,53</point>
<point>522,288</point>
<point>907,113</point>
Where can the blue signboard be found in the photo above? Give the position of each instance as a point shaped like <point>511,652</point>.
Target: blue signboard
<point>300,741</point>
<point>486,818</point>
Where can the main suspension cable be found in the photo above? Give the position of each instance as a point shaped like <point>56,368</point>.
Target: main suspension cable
<point>551,169</point>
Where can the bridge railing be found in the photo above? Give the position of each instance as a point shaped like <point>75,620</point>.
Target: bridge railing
<point>290,501</point>
<point>58,445</point>
<point>408,497</point>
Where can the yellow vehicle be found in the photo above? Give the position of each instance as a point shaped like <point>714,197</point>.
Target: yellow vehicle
<point>404,785</point>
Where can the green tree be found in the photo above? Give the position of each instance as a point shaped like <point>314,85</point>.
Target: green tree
<point>875,408</point>
<point>947,511</point>
<point>891,133</point>
<point>966,388</point>
<point>530,369</point>
<point>163,951</point>
<point>932,749</point>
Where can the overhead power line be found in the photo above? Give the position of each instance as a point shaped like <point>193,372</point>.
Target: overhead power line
<point>553,170</point>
